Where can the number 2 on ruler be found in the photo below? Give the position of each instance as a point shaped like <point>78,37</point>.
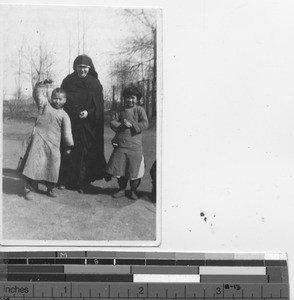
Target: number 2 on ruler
<point>141,290</point>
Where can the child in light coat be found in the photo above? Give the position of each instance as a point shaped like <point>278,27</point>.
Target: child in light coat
<point>40,157</point>
<point>127,161</point>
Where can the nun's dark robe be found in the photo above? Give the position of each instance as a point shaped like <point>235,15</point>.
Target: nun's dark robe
<point>86,162</point>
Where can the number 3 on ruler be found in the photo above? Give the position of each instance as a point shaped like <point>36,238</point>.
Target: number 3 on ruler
<point>218,290</point>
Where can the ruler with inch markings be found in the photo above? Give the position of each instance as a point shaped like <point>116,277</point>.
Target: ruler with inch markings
<point>142,275</point>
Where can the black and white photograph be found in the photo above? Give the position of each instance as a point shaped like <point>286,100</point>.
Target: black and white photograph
<point>81,125</point>
<point>155,126</point>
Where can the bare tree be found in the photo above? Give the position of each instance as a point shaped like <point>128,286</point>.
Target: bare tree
<point>123,71</point>
<point>148,19</point>
<point>69,52</point>
<point>41,63</point>
<point>81,33</point>
<point>19,72</point>
<point>140,50</point>
<point>76,31</point>
<point>84,34</point>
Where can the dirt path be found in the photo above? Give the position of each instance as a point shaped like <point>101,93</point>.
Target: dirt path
<point>94,215</point>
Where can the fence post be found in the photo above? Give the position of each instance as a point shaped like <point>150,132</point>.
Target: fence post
<point>113,98</point>
<point>148,99</point>
<point>122,100</point>
<point>153,98</point>
<point>140,85</point>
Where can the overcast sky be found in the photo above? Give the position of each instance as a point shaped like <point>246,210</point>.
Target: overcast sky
<point>57,27</point>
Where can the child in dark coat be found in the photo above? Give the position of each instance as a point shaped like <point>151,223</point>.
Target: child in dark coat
<point>127,161</point>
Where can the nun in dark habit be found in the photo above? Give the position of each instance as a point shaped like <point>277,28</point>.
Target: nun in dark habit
<point>85,107</point>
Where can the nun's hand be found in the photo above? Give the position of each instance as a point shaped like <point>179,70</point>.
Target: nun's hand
<point>83,114</point>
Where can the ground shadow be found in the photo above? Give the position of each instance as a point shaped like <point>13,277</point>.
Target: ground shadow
<point>147,196</point>
<point>10,173</point>
<point>96,190</point>
<point>13,184</point>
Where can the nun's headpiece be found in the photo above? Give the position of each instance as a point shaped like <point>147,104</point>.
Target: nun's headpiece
<point>86,61</point>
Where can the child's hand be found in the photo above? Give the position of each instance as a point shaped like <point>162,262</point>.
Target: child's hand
<point>127,123</point>
<point>83,114</point>
<point>67,152</point>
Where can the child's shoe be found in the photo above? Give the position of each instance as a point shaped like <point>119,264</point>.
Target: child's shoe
<point>134,196</point>
<point>61,187</point>
<point>51,193</point>
<point>119,194</point>
<point>107,177</point>
<point>28,195</point>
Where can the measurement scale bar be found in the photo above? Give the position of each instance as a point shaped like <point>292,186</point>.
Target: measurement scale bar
<point>142,275</point>
<point>166,278</point>
<point>165,270</point>
<point>144,290</point>
<point>232,270</point>
<point>96,269</point>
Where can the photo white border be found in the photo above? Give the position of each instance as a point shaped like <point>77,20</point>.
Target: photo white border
<point>20,244</point>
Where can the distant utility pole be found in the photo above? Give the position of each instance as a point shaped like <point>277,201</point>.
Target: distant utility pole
<point>78,34</point>
<point>142,63</point>
<point>84,33</point>
<point>69,53</point>
<point>19,73</point>
<point>81,34</point>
